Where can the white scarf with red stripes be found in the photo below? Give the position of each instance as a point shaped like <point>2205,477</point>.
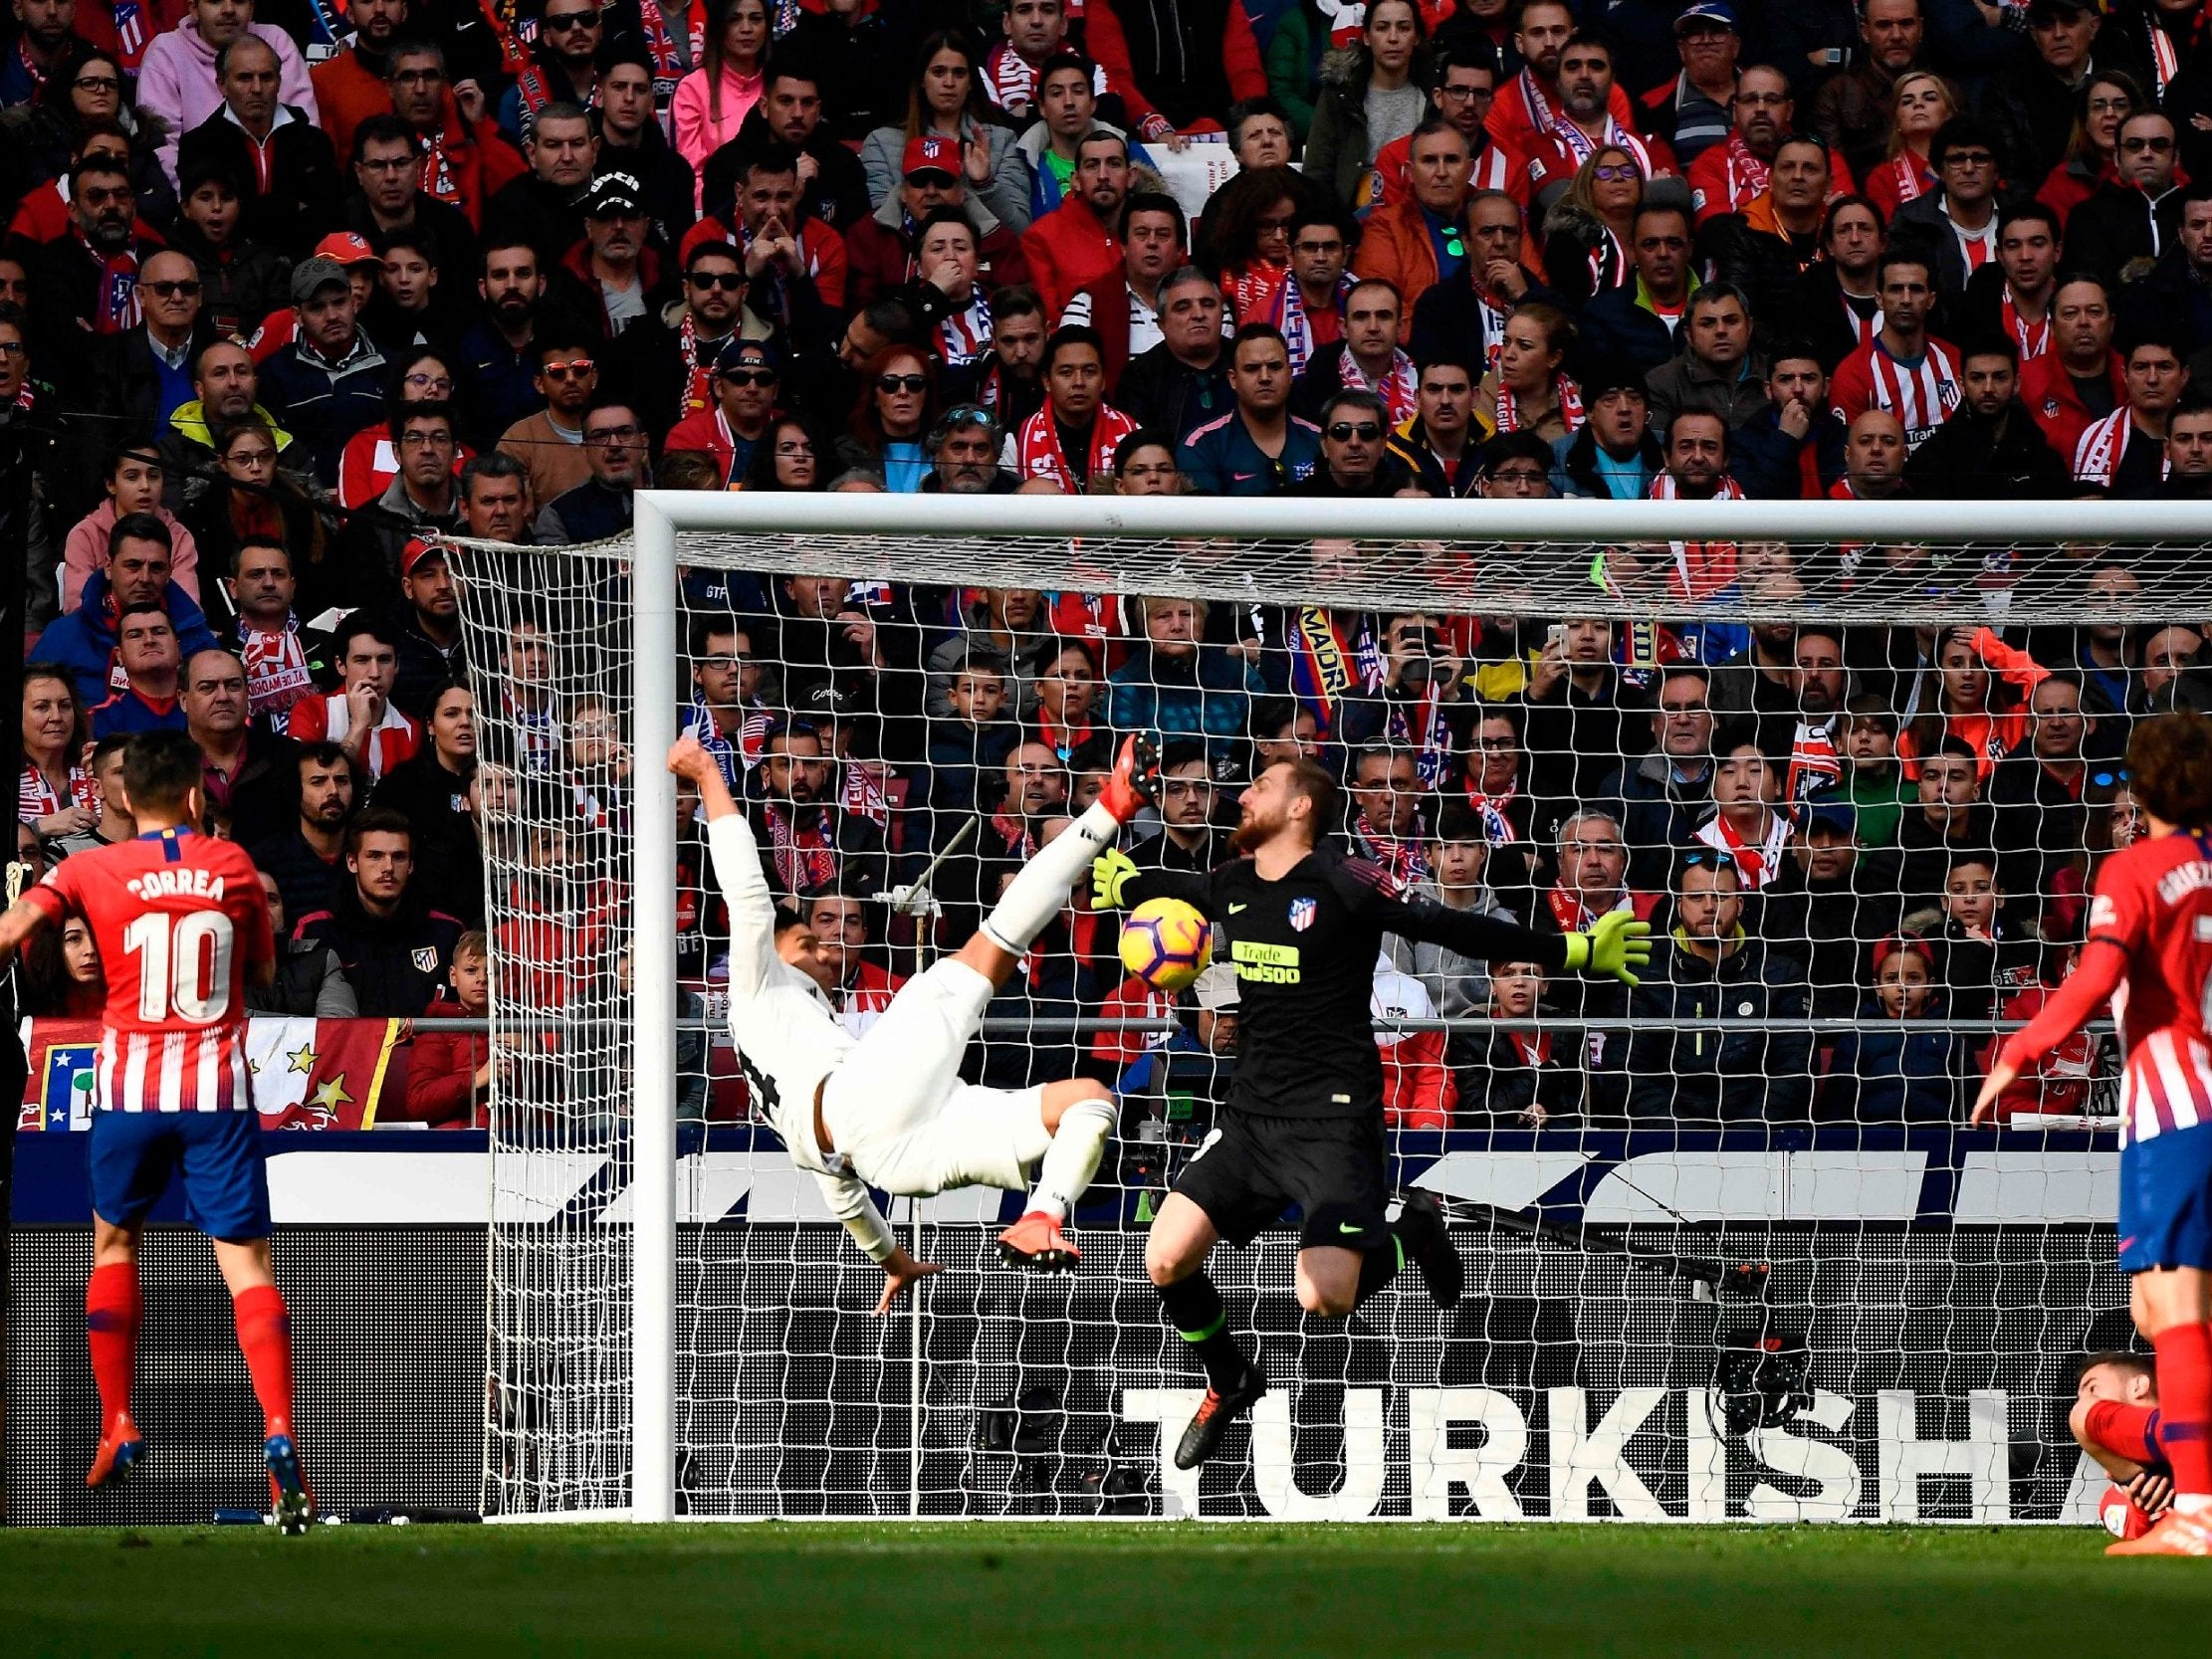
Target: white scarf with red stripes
<point>1758,863</point>
<point>1509,418</point>
<point>1396,389</point>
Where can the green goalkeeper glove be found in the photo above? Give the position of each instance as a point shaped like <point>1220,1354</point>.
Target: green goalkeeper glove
<point>1616,945</point>
<point>1111,872</point>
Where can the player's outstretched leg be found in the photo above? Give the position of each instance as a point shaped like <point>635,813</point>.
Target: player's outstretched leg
<point>1040,888</point>
<point>1174,1257</point>
<point>113,1311</point>
<point>1079,1115</point>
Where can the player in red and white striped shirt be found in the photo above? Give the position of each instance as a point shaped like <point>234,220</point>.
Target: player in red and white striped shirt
<point>1903,369</point>
<point>2150,952</point>
<point>183,927</point>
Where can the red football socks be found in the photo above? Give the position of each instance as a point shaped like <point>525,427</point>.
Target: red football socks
<point>265,1338</point>
<point>113,1311</point>
<point>2185,1405</point>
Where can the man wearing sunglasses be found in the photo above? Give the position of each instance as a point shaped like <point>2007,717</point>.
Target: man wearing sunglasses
<point>1356,463</point>
<point>142,378</point>
<point>2130,221</point>
<point>670,356</point>
<point>565,70</point>
<point>747,384</point>
<point>550,443</point>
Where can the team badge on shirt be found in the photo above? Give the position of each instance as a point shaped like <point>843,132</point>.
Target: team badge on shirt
<point>426,959</point>
<point>1302,913</point>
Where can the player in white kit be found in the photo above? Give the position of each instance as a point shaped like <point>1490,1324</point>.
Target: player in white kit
<point>888,1109</point>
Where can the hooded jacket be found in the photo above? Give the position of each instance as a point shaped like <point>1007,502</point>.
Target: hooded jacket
<point>83,640</point>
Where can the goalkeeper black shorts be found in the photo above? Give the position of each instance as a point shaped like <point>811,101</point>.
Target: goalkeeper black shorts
<point>1251,1170</point>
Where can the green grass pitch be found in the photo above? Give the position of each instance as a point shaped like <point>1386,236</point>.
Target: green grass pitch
<point>1054,1591</point>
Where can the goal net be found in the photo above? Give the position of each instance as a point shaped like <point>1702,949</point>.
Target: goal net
<point>1732,1250</point>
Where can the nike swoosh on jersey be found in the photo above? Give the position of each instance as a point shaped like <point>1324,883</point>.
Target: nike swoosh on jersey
<point>1233,909</point>
<point>1349,1227</point>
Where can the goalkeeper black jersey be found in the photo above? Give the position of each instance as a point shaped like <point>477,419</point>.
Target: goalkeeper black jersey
<point>1304,949</point>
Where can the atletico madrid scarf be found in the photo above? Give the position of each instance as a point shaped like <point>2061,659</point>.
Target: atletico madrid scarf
<point>276,673</point>
<point>805,855</point>
<point>1746,174</point>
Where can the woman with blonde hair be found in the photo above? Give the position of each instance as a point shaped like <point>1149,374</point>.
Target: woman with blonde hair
<point>1923,100</point>
<point>1587,231</point>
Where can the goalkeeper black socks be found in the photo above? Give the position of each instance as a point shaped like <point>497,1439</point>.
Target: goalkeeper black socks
<point>1193,1307</point>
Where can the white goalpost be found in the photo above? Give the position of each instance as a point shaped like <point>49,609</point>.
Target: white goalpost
<point>676,1333</point>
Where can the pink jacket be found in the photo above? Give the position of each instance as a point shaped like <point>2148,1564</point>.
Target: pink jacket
<point>177,81</point>
<point>85,551</point>
<point>698,133</point>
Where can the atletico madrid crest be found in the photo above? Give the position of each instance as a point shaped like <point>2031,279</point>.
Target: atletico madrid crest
<point>1303,912</point>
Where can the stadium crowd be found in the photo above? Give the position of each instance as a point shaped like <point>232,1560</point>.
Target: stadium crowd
<point>289,293</point>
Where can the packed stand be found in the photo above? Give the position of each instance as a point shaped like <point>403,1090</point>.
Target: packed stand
<point>285,298</point>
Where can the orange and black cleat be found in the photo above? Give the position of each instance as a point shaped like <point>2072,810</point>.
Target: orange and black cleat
<point>1220,1408</point>
<point>122,1449</point>
<point>1037,1243</point>
<point>1134,783</point>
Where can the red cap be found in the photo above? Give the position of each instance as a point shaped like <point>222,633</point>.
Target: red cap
<point>933,152</point>
<point>416,550</point>
<point>347,248</point>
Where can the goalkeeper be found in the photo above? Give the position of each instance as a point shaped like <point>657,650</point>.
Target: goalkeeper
<point>1303,1122</point>
<point>888,1109</point>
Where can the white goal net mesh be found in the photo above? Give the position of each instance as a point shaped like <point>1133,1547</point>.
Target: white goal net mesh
<point>1732,1250</point>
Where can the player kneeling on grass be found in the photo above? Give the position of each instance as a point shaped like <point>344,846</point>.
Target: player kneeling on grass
<point>183,927</point>
<point>888,1110</point>
<point>2116,1420</point>
<point>1303,1123</point>
<point>2151,940</point>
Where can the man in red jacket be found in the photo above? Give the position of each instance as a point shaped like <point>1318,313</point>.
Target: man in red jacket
<point>1073,246</point>
<point>1177,64</point>
<point>880,250</point>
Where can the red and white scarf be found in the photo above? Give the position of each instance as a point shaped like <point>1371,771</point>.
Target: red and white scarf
<point>1037,452</point>
<point>1814,764</point>
<point>1572,915</point>
<point>699,374</point>
<point>1758,863</point>
<point>805,856</point>
<point>1910,176</point>
<point>1701,568</point>
<point>1609,264</point>
<point>2034,340</point>
<point>116,306</point>
<point>1509,418</point>
<point>863,794</point>
<point>2102,447</point>
<point>437,179</point>
<point>276,673</point>
<point>1745,173</point>
<point>1403,856</point>
<point>36,798</point>
<point>1398,389</point>
<point>2166,60</point>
